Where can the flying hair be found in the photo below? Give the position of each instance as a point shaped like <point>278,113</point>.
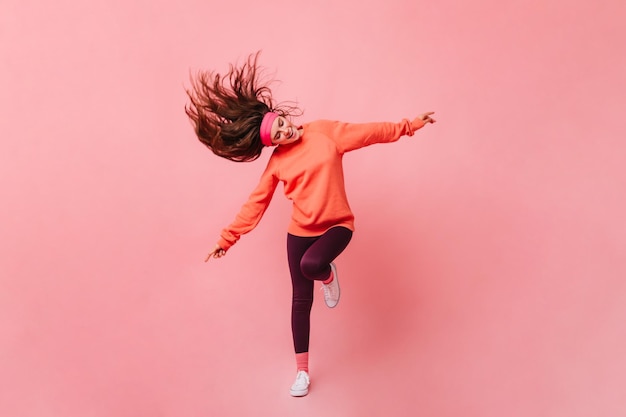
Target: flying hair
<point>227,110</point>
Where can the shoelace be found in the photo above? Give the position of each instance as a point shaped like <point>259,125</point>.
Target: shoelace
<point>328,290</point>
<point>302,378</point>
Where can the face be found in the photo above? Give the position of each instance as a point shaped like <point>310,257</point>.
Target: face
<point>284,132</point>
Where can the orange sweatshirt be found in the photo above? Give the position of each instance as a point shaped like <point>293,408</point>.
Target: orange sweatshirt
<point>312,175</point>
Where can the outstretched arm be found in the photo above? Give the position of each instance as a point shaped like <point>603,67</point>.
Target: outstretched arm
<point>249,215</point>
<point>351,136</point>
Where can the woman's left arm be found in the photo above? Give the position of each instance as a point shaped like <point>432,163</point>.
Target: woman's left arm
<point>351,136</point>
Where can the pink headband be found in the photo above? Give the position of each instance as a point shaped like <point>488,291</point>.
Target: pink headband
<point>266,128</point>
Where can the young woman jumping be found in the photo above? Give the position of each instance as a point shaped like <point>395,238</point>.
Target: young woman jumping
<point>234,115</point>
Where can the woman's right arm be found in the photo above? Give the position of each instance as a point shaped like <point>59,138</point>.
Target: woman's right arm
<point>250,214</point>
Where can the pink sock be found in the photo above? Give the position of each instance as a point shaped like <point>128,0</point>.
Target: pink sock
<point>330,278</point>
<point>302,361</point>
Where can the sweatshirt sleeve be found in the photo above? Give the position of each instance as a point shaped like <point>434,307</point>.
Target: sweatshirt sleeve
<point>351,136</point>
<point>252,211</point>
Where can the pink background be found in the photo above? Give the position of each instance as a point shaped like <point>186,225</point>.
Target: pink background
<point>486,277</point>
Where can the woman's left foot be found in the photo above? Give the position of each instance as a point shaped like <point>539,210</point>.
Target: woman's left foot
<point>332,290</point>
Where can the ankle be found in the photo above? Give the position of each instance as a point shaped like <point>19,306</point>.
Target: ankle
<point>302,362</point>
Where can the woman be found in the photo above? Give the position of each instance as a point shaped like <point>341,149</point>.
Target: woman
<point>235,117</point>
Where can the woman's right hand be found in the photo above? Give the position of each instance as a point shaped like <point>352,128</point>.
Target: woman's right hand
<point>217,252</point>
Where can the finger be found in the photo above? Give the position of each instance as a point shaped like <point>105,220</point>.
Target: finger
<point>208,257</point>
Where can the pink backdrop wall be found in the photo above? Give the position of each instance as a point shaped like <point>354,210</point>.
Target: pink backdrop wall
<point>486,277</point>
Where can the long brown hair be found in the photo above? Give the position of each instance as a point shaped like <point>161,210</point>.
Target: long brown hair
<point>227,110</point>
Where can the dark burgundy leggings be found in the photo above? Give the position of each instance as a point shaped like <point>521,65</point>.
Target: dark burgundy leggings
<point>309,260</point>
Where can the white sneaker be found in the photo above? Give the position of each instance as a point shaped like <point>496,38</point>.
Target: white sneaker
<point>300,387</point>
<point>332,291</point>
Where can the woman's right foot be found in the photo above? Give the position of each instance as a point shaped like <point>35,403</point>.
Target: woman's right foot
<point>300,387</point>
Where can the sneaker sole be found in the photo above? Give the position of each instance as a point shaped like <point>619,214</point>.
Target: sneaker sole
<point>300,393</point>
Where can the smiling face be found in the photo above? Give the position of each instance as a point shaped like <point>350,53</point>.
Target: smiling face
<point>284,132</point>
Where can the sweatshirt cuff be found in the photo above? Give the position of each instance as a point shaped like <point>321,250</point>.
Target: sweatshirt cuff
<point>224,244</point>
<point>416,124</point>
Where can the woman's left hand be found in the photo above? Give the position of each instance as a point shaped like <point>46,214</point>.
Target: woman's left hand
<point>426,117</point>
